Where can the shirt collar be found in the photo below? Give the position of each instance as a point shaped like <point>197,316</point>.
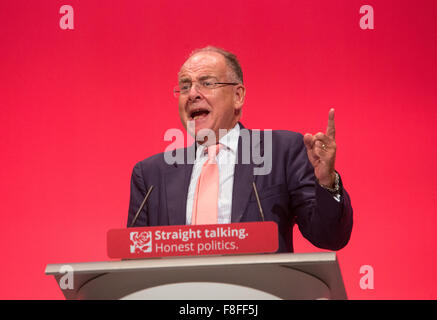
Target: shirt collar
<point>229,141</point>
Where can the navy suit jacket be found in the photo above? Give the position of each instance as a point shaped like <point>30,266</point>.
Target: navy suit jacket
<point>289,195</point>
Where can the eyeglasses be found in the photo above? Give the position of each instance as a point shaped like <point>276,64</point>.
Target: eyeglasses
<point>201,86</point>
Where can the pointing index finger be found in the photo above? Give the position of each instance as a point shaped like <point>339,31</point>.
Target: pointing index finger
<point>330,130</point>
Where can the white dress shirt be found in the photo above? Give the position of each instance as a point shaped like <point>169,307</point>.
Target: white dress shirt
<point>226,165</point>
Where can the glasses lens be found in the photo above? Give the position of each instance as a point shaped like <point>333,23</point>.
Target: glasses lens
<point>185,87</point>
<point>203,86</point>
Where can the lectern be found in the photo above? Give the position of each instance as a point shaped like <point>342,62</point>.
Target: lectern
<point>227,277</point>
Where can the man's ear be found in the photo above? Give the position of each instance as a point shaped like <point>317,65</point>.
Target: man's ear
<point>239,95</point>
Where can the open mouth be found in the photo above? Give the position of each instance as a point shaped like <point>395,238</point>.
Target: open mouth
<point>198,114</point>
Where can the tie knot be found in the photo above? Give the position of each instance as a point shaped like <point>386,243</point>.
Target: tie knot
<point>212,151</point>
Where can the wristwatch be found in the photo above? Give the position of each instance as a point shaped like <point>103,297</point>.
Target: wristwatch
<point>336,188</point>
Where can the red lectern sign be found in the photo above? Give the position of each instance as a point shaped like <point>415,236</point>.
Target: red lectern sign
<point>164,241</point>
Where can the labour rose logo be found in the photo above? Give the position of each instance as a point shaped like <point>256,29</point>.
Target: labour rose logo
<point>141,242</point>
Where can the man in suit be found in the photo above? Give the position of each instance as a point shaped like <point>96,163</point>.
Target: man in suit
<point>302,186</point>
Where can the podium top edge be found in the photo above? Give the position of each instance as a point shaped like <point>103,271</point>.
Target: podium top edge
<point>191,261</point>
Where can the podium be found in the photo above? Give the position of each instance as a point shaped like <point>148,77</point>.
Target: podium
<point>269,276</point>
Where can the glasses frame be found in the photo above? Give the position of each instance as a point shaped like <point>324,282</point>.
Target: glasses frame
<point>176,92</point>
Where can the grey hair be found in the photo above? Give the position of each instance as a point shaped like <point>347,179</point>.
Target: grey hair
<point>231,61</point>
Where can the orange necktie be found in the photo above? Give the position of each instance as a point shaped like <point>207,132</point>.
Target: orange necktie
<point>205,204</point>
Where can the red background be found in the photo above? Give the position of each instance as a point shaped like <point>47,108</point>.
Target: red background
<point>80,107</point>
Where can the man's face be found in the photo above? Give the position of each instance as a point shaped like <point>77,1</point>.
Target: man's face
<point>212,109</point>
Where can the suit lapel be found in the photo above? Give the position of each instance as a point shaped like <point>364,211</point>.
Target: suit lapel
<point>177,181</point>
<point>243,178</point>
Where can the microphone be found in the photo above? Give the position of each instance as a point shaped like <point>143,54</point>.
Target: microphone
<point>141,206</point>
<point>257,200</point>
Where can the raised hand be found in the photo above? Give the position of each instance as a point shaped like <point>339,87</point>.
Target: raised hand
<point>321,149</point>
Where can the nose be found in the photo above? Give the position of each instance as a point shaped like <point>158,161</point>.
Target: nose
<point>194,93</point>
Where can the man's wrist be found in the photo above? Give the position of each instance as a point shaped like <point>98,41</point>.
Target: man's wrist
<point>334,187</point>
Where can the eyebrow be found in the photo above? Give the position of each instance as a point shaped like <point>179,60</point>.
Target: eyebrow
<point>205,77</point>
<point>184,80</point>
